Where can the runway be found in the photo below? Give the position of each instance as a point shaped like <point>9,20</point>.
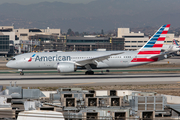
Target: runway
<point>50,80</point>
<point>157,73</point>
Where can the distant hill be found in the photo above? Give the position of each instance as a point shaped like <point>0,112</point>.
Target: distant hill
<point>94,16</point>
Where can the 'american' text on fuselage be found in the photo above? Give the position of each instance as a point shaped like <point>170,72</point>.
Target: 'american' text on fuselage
<point>52,58</point>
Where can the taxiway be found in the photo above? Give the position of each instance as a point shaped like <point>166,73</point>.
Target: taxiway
<point>49,80</point>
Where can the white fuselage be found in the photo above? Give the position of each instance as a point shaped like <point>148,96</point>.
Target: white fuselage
<point>49,60</point>
<point>170,48</point>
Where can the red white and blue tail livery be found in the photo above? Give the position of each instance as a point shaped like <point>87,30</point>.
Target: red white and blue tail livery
<point>153,47</point>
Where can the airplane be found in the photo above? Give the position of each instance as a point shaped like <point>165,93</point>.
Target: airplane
<point>177,47</point>
<point>66,62</point>
<point>171,48</point>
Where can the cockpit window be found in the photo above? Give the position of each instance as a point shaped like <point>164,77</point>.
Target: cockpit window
<point>13,58</point>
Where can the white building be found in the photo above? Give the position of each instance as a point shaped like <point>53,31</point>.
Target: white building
<point>23,34</point>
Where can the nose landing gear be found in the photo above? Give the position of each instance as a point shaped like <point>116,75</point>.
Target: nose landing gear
<point>21,71</point>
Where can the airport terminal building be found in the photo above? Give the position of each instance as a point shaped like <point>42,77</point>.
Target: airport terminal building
<point>94,43</point>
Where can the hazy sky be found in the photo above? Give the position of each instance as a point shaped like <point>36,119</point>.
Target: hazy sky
<point>25,2</point>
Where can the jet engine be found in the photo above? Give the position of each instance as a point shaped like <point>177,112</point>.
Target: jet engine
<point>63,67</point>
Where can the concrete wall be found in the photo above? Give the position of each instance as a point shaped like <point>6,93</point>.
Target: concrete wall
<point>126,32</point>
<point>122,31</point>
<point>11,35</point>
<point>101,93</point>
<point>47,93</point>
<point>172,99</point>
<point>122,93</point>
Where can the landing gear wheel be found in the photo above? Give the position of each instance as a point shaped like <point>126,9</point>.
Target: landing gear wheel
<point>89,73</point>
<point>21,73</point>
<point>92,73</point>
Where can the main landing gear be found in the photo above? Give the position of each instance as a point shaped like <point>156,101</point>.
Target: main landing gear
<point>89,73</point>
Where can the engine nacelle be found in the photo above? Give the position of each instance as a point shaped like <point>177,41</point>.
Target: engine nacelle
<point>63,67</point>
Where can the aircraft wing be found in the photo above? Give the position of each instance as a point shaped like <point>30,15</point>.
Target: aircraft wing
<point>93,60</point>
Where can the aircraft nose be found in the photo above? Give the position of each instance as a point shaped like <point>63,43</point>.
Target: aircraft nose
<point>9,64</point>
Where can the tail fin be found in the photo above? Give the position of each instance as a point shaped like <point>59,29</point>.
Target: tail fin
<point>152,49</point>
<point>175,42</point>
<point>155,43</point>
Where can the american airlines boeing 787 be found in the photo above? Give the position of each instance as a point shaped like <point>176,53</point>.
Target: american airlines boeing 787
<point>71,61</point>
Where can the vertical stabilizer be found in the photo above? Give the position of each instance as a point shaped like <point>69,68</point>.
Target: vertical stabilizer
<point>175,42</point>
<point>155,43</point>
<point>153,46</point>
